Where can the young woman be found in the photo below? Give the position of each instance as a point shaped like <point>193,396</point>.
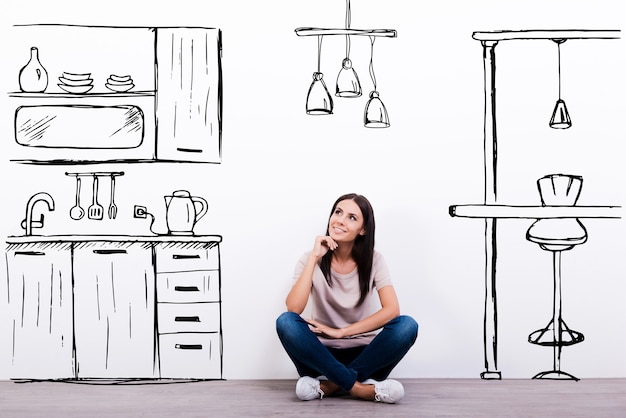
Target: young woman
<point>345,346</point>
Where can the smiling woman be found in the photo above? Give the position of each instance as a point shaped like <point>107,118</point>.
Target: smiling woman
<point>345,346</point>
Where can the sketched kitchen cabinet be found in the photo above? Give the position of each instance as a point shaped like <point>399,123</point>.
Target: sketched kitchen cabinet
<point>39,314</point>
<point>135,94</point>
<point>188,94</point>
<point>114,310</point>
<point>189,310</point>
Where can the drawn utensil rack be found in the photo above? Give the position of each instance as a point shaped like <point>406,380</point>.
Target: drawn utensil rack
<point>492,210</point>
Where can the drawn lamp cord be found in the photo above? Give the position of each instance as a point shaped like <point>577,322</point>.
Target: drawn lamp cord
<point>560,117</point>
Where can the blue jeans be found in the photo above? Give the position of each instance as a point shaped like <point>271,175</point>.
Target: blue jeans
<point>346,366</point>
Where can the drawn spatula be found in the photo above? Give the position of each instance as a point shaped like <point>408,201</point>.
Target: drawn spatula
<point>95,211</point>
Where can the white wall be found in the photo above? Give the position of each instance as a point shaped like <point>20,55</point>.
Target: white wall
<point>282,169</point>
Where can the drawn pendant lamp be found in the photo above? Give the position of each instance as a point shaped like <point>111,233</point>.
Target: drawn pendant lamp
<point>318,100</point>
<point>375,115</point>
<point>560,117</point>
<point>33,76</point>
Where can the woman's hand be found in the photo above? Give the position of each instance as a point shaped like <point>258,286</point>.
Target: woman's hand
<point>325,331</point>
<point>322,245</point>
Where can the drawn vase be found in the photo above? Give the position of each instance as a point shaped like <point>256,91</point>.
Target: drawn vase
<point>33,77</point>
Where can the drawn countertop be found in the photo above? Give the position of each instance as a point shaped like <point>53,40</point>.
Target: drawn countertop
<point>22,239</point>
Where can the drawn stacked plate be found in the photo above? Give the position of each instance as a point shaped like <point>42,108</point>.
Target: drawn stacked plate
<point>119,83</point>
<point>76,83</point>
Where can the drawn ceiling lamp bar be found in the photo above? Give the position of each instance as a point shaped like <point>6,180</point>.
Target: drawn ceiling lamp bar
<point>560,117</point>
<point>319,102</point>
<point>348,84</point>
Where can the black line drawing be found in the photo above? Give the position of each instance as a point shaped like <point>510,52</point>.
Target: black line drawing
<point>165,104</point>
<point>104,308</point>
<point>552,211</point>
<point>319,101</point>
<point>112,309</point>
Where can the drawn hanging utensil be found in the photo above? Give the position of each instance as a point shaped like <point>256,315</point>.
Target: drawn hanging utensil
<point>77,212</point>
<point>112,205</point>
<point>95,211</point>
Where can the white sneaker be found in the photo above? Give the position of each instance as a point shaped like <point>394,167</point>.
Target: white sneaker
<point>387,391</point>
<point>308,388</point>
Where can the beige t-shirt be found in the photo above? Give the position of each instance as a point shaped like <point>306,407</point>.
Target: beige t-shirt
<point>335,305</point>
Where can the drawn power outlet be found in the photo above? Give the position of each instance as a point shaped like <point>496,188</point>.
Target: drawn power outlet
<point>140,212</point>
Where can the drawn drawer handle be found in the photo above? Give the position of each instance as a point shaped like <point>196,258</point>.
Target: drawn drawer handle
<point>187,319</point>
<point>188,346</point>
<point>185,256</point>
<point>29,253</point>
<point>189,150</point>
<point>104,252</point>
<point>186,288</point>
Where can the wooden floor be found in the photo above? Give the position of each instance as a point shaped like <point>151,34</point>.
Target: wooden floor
<point>589,398</point>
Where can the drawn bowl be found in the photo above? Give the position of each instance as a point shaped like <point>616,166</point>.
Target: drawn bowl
<point>119,88</point>
<point>70,82</point>
<point>75,89</point>
<point>76,76</point>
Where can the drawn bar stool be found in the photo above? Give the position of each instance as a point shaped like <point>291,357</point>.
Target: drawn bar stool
<point>556,236</point>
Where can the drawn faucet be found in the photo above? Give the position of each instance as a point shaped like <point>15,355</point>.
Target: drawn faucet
<point>28,224</point>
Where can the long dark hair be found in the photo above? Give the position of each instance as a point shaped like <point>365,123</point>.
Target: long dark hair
<point>363,250</point>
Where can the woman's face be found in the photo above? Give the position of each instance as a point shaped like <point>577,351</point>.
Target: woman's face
<point>346,222</point>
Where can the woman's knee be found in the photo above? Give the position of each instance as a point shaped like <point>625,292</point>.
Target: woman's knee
<point>286,321</point>
<point>407,327</point>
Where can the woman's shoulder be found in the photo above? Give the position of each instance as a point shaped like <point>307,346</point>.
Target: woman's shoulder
<point>378,256</point>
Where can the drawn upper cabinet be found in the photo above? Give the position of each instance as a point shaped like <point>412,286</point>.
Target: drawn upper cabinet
<point>90,94</point>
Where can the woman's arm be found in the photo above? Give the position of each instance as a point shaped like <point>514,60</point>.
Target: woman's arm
<point>299,294</point>
<point>390,308</point>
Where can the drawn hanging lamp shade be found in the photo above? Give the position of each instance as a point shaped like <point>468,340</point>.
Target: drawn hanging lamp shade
<point>375,115</point>
<point>348,84</point>
<point>318,100</point>
<point>560,116</point>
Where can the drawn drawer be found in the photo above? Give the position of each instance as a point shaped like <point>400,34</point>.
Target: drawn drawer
<point>190,356</point>
<point>193,286</point>
<point>186,257</point>
<point>188,317</point>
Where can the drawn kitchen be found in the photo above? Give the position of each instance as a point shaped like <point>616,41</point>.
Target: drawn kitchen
<point>100,284</point>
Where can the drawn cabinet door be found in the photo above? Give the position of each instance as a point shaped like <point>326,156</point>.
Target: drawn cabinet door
<point>38,344</point>
<point>188,94</point>
<point>114,310</point>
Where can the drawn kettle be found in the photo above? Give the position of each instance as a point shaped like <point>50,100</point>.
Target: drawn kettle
<point>183,211</point>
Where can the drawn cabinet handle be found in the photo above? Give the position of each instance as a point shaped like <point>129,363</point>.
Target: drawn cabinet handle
<point>188,346</point>
<point>187,319</point>
<point>186,288</point>
<point>112,251</point>
<point>36,253</point>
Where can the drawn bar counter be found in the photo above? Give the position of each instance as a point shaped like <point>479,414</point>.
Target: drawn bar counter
<point>492,210</point>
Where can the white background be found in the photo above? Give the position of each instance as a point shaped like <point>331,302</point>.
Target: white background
<point>282,169</point>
